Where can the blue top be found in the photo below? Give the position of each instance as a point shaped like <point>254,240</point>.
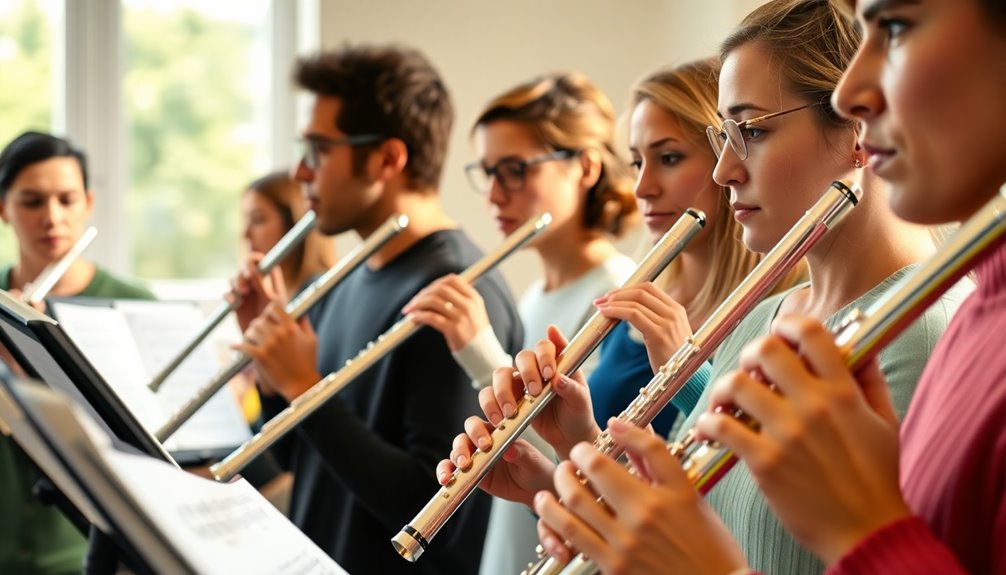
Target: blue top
<point>624,368</point>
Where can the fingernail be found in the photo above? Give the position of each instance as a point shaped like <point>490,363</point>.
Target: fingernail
<point>548,372</point>
<point>560,382</point>
<point>495,419</point>
<point>483,443</point>
<point>601,300</point>
<point>509,410</point>
<point>442,476</point>
<point>462,461</point>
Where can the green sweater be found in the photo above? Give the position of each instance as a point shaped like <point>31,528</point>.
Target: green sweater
<point>736,498</point>
<point>37,538</point>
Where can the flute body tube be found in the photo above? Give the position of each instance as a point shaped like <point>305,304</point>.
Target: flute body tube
<point>272,258</point>
<point>325,389</point>
<point>840,198</point>
<point>413,539</point>
<point>36,291</point>
<point>296,308</point>
<point>862,334</point>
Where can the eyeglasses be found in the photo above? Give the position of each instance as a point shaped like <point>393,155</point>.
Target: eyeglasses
<point>734,132</point>
<point>510,173</point>
<point>315,146</point>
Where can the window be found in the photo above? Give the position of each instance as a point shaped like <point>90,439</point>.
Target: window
<point>179,105</point>
<point>196,97</point>
<point>27,34</point>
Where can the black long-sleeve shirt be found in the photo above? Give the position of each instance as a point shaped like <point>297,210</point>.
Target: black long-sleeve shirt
<point>365,462</point>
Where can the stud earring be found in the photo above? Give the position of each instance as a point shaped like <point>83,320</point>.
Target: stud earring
<point>858,162</point>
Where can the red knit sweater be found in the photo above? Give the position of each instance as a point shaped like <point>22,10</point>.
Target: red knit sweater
<point>953,450</point>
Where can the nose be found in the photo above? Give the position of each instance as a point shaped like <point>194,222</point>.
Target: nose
<point>301,173</point>
<point>858,94</point>
<point>497,195</point>
<point>729,170</point>
<point>53,212</point>
<point>647,184</point>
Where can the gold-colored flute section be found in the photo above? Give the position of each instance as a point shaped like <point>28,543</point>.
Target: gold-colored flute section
<point>862,334</point>
<point>296,308</point>
<point>39,288</point>
<point>413,539</point>
<point>840,198</point>
<point>274,256</point>
<point>312,399</point>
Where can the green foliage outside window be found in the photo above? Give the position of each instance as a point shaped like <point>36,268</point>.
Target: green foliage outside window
<point>191,109</point>
<point>26,51</point>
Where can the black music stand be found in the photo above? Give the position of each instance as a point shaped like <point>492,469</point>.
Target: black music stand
<point>159,518</point>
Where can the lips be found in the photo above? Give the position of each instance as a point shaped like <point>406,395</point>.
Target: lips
<point>877,156</point>
<point>506,225</point>
<point>743,211</point>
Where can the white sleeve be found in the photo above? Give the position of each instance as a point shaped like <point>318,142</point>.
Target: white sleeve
<point>482,356</point>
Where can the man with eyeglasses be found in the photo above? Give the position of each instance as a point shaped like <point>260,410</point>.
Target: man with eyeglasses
<point>374,146</point>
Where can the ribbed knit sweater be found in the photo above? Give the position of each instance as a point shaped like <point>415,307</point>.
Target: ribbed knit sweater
<point>953,450</point>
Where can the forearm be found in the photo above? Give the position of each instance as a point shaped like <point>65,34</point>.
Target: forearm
<point>481,357</point>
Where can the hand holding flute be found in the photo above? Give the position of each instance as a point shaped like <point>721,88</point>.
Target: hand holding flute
<point>284,351</point>
<point>567,420</point>
<point>653,521</point>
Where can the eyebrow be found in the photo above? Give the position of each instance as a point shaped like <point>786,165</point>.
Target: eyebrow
<point>870,14</point>
<point>736,109</point>
<point>656,144</point>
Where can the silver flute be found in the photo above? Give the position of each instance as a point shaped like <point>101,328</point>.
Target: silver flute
<point>272,258</point>
<point>296,308</point>
<point>39,288</point>
<point>840,198</point>
<point>413,539</point>
<point>861,335</point>
<point>325,389</point>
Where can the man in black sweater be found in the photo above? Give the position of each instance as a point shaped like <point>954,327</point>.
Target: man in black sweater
<point>364,463</point>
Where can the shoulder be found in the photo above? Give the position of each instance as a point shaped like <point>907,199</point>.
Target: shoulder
<point>104,284</point>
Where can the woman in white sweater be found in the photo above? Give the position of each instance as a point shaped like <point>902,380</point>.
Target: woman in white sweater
<point>543,146</point>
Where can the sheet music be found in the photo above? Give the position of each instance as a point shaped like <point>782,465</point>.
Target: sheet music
<point>224,528</point>
<point>167,514</point>
<point>129,342</point>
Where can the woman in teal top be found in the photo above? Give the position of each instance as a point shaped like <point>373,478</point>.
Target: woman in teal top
<point>44,197</point>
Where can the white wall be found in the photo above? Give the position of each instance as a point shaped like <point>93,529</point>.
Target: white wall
<point>482,48</point>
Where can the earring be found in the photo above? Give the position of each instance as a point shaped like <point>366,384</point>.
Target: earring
<point>857,162</point>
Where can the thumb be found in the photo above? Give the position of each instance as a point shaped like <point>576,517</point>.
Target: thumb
<point>875,390</point>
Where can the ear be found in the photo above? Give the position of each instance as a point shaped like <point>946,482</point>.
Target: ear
<point>390,159</point>
<point>590,161</point>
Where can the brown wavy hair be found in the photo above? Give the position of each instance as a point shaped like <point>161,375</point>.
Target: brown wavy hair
<point>566,111</point>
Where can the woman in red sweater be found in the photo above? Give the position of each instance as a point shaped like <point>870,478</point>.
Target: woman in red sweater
<point>928,86</point>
